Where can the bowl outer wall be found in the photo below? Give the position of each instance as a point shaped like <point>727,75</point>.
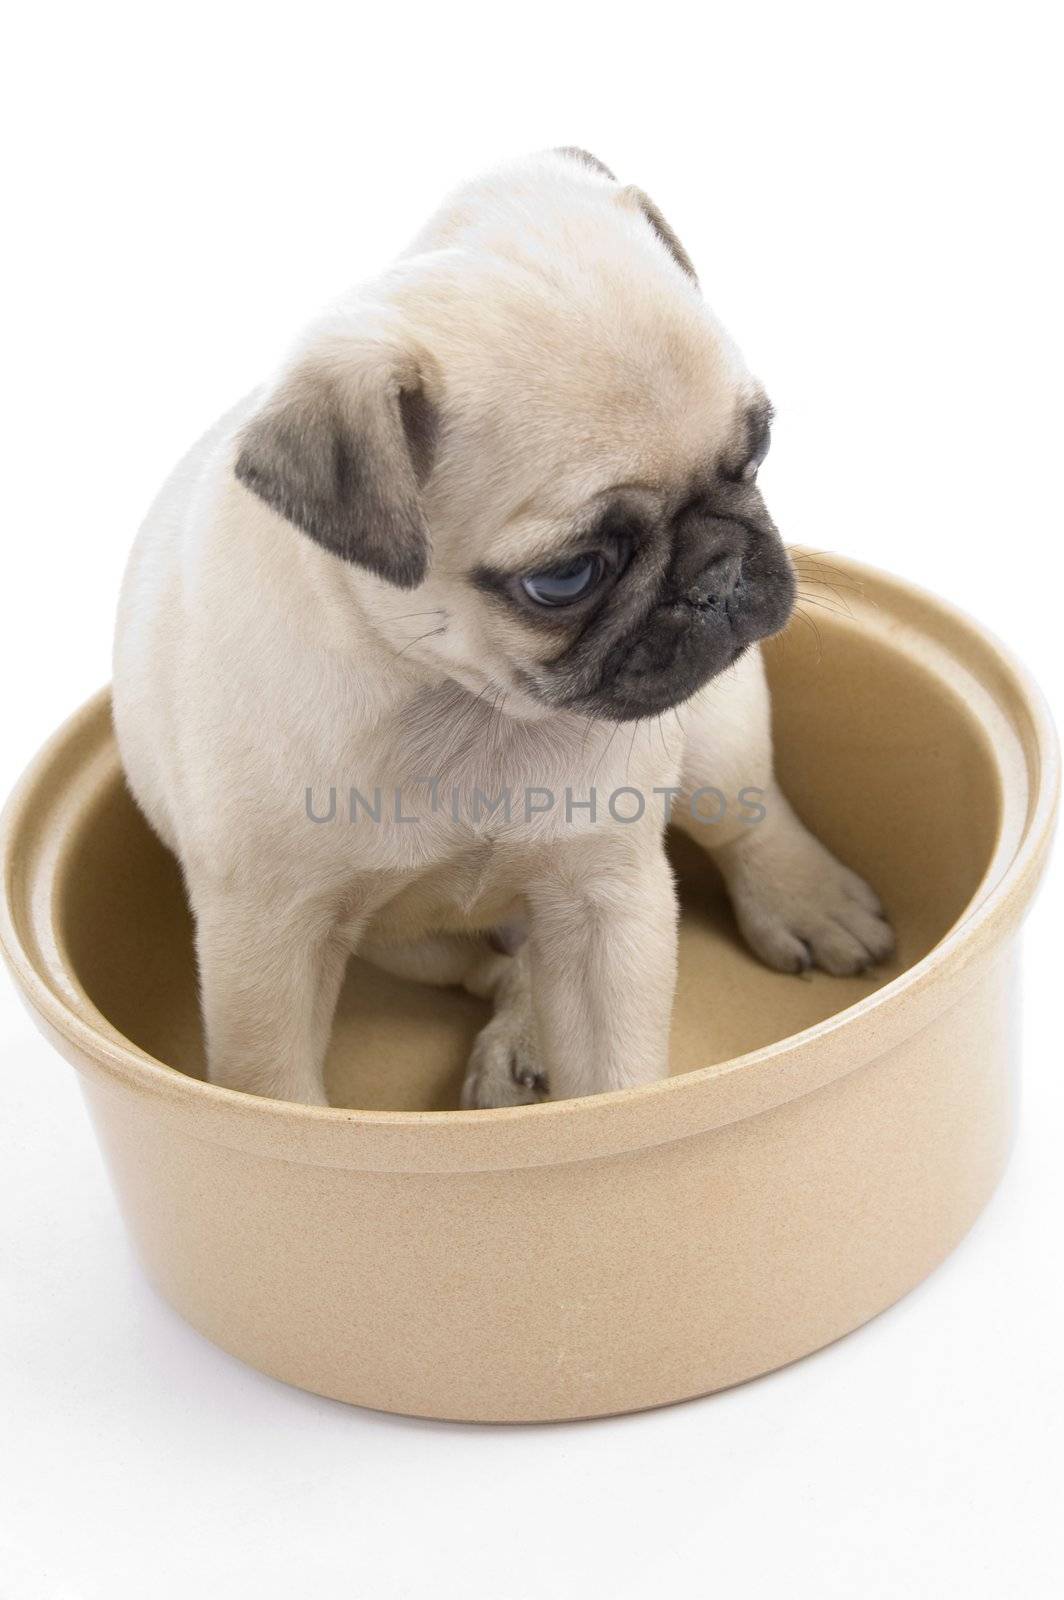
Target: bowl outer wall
<point>577,1290</point>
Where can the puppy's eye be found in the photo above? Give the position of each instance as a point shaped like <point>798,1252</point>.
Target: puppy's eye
<point>759,437</point>
<point>564,584</point>
<point>747,473</point>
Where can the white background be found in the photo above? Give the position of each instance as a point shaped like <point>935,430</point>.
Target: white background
<point>871,195</point>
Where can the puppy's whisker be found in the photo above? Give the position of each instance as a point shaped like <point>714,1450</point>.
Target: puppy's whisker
<point>809,623</point>
<point>631,749</point>
<point>836,594</point>
<point>468,711</point>
<point>817,556</point>
<point>429,634</point>
<point>498,714</point>
<point>491,729</point>
<point>483,738</point>
<point>815,571</point>
<point>810,566</point>
<point>603,751</point>
<point>825,605</point>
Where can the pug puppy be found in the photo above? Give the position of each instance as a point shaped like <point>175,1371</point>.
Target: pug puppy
<point>420,648</point>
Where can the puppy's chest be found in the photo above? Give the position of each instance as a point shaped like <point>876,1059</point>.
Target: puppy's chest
<point>456,809</point>
<point>477,781</point>
<point>476,888</point>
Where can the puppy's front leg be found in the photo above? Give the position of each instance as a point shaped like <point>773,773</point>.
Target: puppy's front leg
<point>795,903</point>
<point>270,978</point>
<point>602,938</point>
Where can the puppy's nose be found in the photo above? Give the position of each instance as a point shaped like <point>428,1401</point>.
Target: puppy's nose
<point>708,557</point>
<point>718,581</point>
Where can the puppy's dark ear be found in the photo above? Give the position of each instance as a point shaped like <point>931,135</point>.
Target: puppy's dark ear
<point>642,202</point>
<point>341,450</point>
<point>586,159</point>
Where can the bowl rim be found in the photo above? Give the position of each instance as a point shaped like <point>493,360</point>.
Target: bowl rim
<point>560,1131</point>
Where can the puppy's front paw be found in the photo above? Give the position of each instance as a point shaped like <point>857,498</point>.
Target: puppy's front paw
<point>797,907</point>
<point>503,1067</point>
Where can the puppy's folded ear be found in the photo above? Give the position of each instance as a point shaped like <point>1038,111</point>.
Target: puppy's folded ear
<point>586,159</point>
<point>342,448</point>
<point>636,200</point>
<point>642,202</point>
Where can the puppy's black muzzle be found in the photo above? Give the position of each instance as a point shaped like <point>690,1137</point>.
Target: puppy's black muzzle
<point>729,583</point>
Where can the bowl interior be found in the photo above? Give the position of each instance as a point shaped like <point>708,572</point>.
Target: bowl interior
<point>879,754</point>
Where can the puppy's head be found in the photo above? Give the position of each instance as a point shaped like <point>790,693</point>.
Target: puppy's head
<point>534,423</point>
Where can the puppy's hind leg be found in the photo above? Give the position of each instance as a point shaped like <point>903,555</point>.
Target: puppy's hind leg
<point>504,1065</point>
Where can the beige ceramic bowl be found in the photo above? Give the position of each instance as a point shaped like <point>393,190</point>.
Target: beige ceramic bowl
<point>821,1146</point>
